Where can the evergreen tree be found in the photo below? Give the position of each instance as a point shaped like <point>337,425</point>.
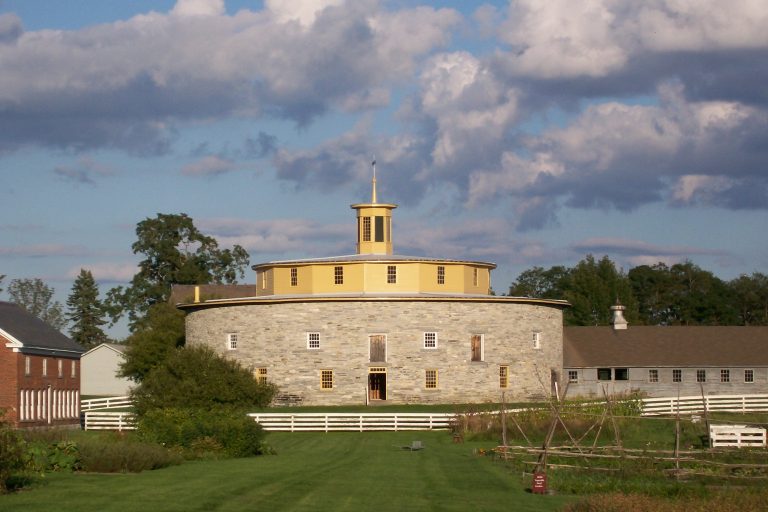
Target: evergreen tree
<point>86,311</point>
<point>37,298</point>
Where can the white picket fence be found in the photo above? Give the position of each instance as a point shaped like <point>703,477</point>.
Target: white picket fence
<point>696,404</point>
<point>112,402</point>
<point>355,422</point>
<point>739,436</point>
<point>102,419</point>
<point>105,420</point>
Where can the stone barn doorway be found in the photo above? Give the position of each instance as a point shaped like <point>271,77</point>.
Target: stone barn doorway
<point>377,383</point>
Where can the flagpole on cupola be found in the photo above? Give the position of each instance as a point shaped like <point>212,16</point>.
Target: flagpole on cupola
<point>373,187</point>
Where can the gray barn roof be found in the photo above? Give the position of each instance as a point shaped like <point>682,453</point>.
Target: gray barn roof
<point>655,346</point>
<point>34,335</point>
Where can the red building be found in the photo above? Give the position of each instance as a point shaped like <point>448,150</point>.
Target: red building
<point>39,371</point>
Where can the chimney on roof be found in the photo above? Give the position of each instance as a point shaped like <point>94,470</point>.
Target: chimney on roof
<point>618,321</point>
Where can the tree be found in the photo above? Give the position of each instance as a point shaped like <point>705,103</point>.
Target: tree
<point>176,252</point>
<point>653,287</point>
<point>540,283</point>
<point>2,276</point>
<point>37,298</point>
<point>751,298</point>
<point>156,336</point>
<point>700,297</point>
<point>86,312</point>
<point>198,378</point>
<point>592,287</point>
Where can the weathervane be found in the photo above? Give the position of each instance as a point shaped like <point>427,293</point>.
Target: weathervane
<point>373,188</point>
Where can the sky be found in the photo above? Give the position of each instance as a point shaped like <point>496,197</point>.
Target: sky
<point>524,133</point>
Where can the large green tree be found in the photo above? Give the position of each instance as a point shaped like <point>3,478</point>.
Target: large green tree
<point>750,298</point>
<point>540,283</point>
<point>2,276</point>
<point>155,337</point>
<point>592,287</point>
<point>86,312</point>
<point>175,252</point>
<point>37,298</point>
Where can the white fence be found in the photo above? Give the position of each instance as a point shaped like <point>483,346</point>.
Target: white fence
<point>740,436</point>
<point>112,402</point>
<point>696,404</point>
<point>104,420</point>
<point>356,422</point>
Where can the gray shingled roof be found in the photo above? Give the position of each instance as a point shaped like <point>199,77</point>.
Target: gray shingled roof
<point>649,346</point>
<point>36,336</point>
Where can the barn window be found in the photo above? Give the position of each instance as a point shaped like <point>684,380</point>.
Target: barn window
<point>701,375</point>
<point>338,275</point>
<point>677,375</point>
<point>749,376</point>
<point>440,274</point>
<point>477,347</point>
<point>603,374</point>
<point>573,376</point>
<point>232,341</point>
<point>536,339</point>
<point>27,365</point>
<point>725,375</point>
<point>326,379</point>
<point>391,274</point>
<point>504,376</point>
<point>60,368</point>
<point>474,276</point>
<point>366,229</point>
<point>73,370</point>
<point>378,234</point>
<point>430,340</point>
<point>621,373</point>
<point>261,375</point>
<point>430,379</point>
<point>313,340</point>
<point>653,375</point>
<point>294,276</point>
<point>45,367</point>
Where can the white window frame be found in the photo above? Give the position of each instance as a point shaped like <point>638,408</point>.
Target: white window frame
<point>679,372</point>
<point>725,375</point>
<point>573,376</point>
<point>749,376</point>
<point>701,375</point>
<point>232,339</point>
<point>45,367</point>
<point>432,337</point>
<point>60,368</point>
<point>27,365</point>
<point>313,338</point>
<point>653,375</point>
<point>73,370</point>
<point>536,340</point>
<point>504,376</point>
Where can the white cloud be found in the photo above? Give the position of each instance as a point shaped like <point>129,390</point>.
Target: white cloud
<point>302,11</point>
<point>692,187</point>
<point>198,8</point>
<point>209,166</point>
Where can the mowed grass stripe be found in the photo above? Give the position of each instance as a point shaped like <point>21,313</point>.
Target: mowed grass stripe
<point>309,472</point>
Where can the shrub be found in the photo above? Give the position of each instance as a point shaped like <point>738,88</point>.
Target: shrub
<point>12,456</point>
<point>204,432</point>
<point>124,455</point>
<point>197,377</point>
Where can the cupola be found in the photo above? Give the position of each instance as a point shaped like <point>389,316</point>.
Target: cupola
<point>374,224</point>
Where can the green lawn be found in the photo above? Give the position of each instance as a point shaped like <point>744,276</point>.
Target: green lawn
<point>313,472</point>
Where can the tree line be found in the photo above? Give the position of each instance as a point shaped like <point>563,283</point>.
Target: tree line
<point>680,294</point>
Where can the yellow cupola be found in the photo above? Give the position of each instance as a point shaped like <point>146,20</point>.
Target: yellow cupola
<point>374,224</point>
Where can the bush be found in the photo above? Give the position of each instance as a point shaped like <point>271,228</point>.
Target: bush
<point>12,456</point>
<point>204,432</point>
<point>124,455</point>
<point>198,378</point>
<point>726,500</point>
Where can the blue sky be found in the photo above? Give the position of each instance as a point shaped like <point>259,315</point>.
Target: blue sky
<point>522,132</point>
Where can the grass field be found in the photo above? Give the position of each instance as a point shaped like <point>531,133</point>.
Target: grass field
<point>312,472</point>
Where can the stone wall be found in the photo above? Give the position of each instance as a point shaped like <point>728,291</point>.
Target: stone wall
<point>274,336</point>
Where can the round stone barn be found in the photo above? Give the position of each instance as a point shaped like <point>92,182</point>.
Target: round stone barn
<point>376,327</point>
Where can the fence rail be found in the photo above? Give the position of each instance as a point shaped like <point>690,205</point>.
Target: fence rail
<point>104,420</point>
<point>696,404</point>
<point>355,422</point>
<point>112,402</point>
